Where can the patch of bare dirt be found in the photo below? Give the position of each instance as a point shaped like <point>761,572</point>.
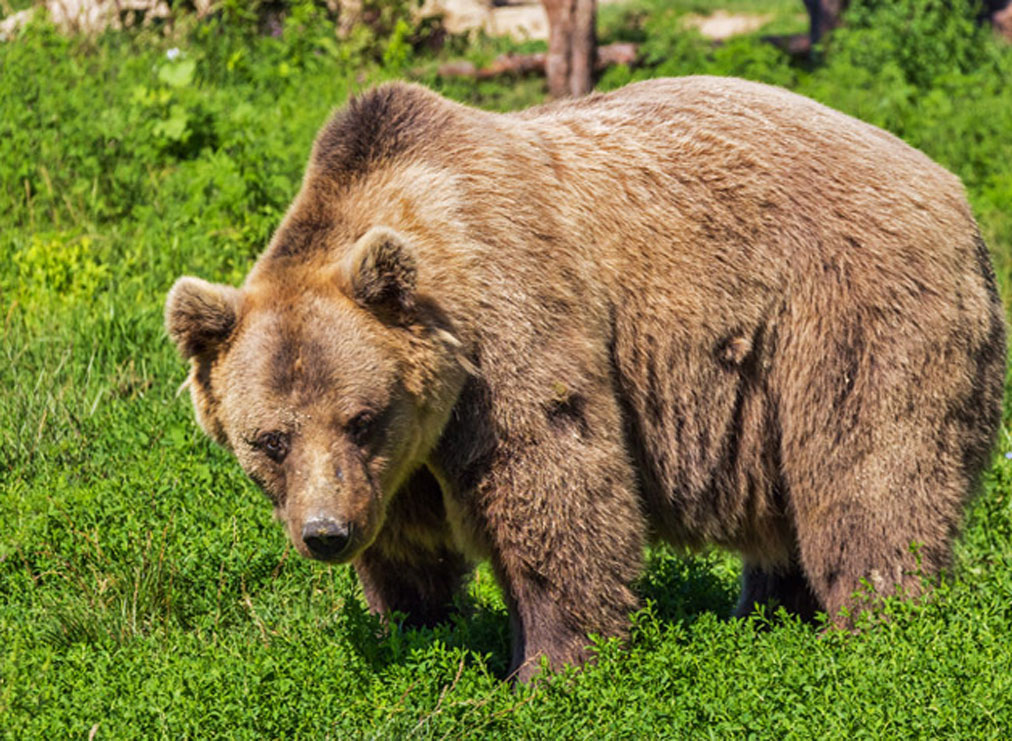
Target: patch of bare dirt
<point>721,25</point>
<point>520,19</point>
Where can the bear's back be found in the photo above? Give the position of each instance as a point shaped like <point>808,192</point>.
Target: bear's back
<point>738,182</point>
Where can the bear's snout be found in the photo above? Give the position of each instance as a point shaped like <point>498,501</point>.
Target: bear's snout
<point>326,538</point>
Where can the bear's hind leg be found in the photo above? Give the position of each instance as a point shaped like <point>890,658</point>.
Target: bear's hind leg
<point>854,556</point>
<point>886,418</point>
<point>877,513</point>
<point>773,588</point>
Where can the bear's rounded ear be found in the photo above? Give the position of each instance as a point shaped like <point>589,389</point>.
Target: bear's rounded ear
<point>199,315</point>
<point>380,273</point>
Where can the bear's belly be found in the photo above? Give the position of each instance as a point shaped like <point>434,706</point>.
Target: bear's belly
<point>701,435</point>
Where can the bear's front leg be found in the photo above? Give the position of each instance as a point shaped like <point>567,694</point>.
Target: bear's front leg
<point>560,517</point>
<point>419,583</point>
<point>412,567</point>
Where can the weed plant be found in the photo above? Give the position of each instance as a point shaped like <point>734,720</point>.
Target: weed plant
<point>144,589</point>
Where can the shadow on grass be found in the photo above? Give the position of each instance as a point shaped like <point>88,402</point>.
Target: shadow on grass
<point>480,629</point>
<point>680,588</point>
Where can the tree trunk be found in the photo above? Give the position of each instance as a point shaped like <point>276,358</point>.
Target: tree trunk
<point>522,64</point>
<point>824,16</point>
<point>572,47</point>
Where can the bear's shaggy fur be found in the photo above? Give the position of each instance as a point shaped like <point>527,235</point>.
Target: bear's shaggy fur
<point>699,310</point>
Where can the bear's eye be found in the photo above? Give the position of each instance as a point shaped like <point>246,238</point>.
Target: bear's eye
<point>274,444</point>
<point>360,427</point>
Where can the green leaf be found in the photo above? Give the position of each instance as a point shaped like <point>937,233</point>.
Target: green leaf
<point>178,74</point>
<point>173,127</point>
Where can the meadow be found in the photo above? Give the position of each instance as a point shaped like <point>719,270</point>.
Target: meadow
<point>145,590</point>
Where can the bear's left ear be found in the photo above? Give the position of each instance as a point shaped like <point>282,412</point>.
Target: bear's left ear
<point>380,273</point>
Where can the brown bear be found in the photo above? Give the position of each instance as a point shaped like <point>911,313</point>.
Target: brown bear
<point>699,310</point>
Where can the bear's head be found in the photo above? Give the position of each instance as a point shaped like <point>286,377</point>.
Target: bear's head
<point>330,384</point>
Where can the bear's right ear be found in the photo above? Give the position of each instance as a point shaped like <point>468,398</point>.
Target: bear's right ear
<point>381,274</point>
<point>200,315</point>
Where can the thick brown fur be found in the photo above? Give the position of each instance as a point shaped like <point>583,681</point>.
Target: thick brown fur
<point>699,310</point>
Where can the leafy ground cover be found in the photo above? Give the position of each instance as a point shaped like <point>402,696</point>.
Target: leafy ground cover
<point>144,589</point>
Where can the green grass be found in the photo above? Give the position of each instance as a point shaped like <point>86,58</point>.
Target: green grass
<point>143,586</point>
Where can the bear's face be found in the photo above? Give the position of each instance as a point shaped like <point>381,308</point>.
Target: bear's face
<point>329,389</point>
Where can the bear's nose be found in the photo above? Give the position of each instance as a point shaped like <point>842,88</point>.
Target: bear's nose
<point>325,537</point>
